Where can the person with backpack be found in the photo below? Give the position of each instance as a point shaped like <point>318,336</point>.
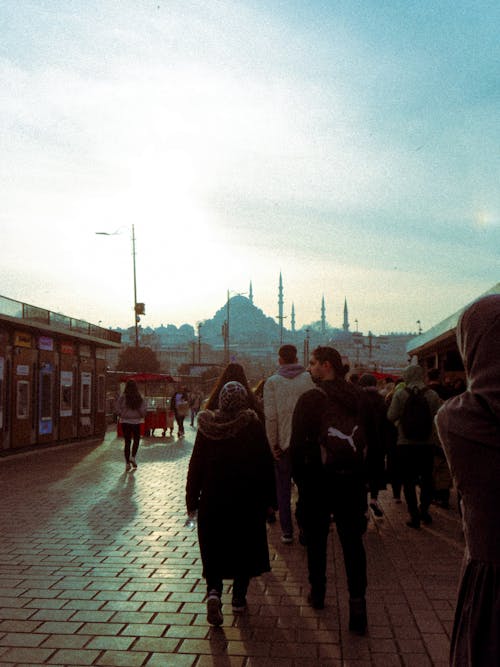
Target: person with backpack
<point>327,450</point>
<point>412,409</point>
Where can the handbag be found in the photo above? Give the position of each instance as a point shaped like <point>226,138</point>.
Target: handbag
<point>182,408</point>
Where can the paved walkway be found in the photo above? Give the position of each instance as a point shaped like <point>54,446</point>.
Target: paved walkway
<point>97,568</point>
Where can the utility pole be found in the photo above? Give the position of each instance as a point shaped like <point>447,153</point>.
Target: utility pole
<point>199,342</point>
<point>137,318</point>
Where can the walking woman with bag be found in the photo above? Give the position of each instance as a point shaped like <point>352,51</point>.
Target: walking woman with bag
<point>131,409</point>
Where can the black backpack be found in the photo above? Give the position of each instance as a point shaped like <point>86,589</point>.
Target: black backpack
<point>342,439</point>
<point>416,418</point>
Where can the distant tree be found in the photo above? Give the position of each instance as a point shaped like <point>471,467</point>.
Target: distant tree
<point>138,359</point>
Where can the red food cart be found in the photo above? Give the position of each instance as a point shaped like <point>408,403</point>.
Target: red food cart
<point>156,388</point>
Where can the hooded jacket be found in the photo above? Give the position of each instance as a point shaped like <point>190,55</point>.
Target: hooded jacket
<point>413,376</point>
<point>281,392</point>
<point>231,484</point>
<point>469,429</point>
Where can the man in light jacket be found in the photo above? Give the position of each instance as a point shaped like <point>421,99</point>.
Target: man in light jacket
<point>281,392</point>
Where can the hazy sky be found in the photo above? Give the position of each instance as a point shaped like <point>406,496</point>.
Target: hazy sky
<point>353,146</point>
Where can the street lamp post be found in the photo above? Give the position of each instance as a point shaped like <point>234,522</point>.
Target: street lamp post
<point>199,342</point>
<point>306,349</point>
<point>136,314</point>
<point>138,308</point>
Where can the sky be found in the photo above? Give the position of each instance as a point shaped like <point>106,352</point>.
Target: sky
<point>352,146</point>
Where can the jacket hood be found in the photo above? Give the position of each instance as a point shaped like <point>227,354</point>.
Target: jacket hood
<point>290,371</point>
<point>414,376</point>
<point>478,337</point>
<point>218,425</point>
<point>474,415</point>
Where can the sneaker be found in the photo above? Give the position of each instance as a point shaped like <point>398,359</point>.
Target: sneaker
<point>375,508</point>
<point>413,523</point>
<point>287,539</point>
<point>214,609</point>
<point>239,605</point>
<point>357,616</point>
<point>133,462</point>
<point>128,467</point>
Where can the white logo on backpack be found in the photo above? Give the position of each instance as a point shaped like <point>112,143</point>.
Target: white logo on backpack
<point>335,433</point>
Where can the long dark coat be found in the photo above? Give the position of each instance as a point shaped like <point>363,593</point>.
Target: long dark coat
<point>469,428</point>
<point>231,484</point>
<point>378,438</point>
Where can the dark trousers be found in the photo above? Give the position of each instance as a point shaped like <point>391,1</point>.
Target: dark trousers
<point>131,432</point>
<point>345,497</point>
<point>180,422</point>
<point>240,585</point>
<point>283,476</point>
<point>416,466</point>
<point>194,412</point>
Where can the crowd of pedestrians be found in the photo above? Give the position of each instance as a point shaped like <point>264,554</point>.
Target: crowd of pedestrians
<point>341,439</point>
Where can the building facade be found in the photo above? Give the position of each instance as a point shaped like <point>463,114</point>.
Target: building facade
<point>52,376</point>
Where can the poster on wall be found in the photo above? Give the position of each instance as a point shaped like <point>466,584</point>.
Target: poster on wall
<point>85,395</point>
<point>45,405</point>
<point>66,400</point>
<point>2,364</point>
<point>23,399</point>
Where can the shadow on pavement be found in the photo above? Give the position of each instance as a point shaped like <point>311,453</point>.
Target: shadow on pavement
<point>116,509</point>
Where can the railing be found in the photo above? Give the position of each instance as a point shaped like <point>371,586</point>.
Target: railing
<point>24,311</point>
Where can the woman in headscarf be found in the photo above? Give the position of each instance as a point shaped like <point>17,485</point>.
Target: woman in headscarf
<point>234,372</point>
<point>469,429</point>
<point>230,484</point>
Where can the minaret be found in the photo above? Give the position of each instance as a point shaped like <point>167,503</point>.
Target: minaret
<point>280,308</point>
<point>293,317</point>
<point>250,293</point>
<point>323,318</point>
<point>345,326</point>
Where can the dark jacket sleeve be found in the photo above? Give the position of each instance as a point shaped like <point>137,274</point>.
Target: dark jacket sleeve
<point>195,475</point>
<point>269,479</point>
<point>304,441</point>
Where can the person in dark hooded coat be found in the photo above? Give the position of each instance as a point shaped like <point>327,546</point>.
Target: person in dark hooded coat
<point>230,484</point>
<point>469,429</point>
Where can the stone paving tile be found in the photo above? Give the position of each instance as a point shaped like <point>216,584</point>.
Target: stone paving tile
<point>21,639</point>
<point>65,641</point>
<point>35,656</point>
<point>100,570</point>
<point>123,658</point>
<point>67,656</point>
<point>175,660</point>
